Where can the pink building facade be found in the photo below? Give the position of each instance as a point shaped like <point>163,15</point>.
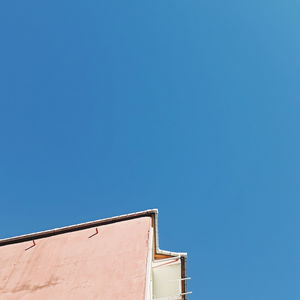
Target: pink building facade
<point>116,259</point>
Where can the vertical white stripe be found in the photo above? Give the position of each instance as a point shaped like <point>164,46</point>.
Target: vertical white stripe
<point>148,288</point>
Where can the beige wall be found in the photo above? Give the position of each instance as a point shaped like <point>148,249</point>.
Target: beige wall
<point>166,279</point>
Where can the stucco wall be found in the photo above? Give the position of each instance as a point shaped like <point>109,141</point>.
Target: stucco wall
<point>109,265</point>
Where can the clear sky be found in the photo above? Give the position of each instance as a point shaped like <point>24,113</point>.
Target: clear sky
<point>191,107</point>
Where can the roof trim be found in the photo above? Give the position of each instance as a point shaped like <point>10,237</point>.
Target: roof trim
<point>47,233</point>
<point>76,227</point>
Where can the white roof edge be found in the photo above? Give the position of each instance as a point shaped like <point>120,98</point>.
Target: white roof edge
<point>79,225</point>
<point>158,250</point>
<point>98,222</point>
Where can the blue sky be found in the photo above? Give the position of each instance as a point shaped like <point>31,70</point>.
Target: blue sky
<point>191,107</point>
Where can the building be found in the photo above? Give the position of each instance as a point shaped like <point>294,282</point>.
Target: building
<point>116,258</point>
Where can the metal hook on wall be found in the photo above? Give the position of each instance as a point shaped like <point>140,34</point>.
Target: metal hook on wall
<point>94,233</point>
<point>33,244</point>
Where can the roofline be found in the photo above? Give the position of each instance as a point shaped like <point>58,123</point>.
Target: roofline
<point>76,227</point>
<point>47,233</point>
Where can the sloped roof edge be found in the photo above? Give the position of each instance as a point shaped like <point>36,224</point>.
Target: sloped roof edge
<point>47,233</point>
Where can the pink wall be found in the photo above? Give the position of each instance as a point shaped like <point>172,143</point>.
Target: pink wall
<point>110,265</point>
